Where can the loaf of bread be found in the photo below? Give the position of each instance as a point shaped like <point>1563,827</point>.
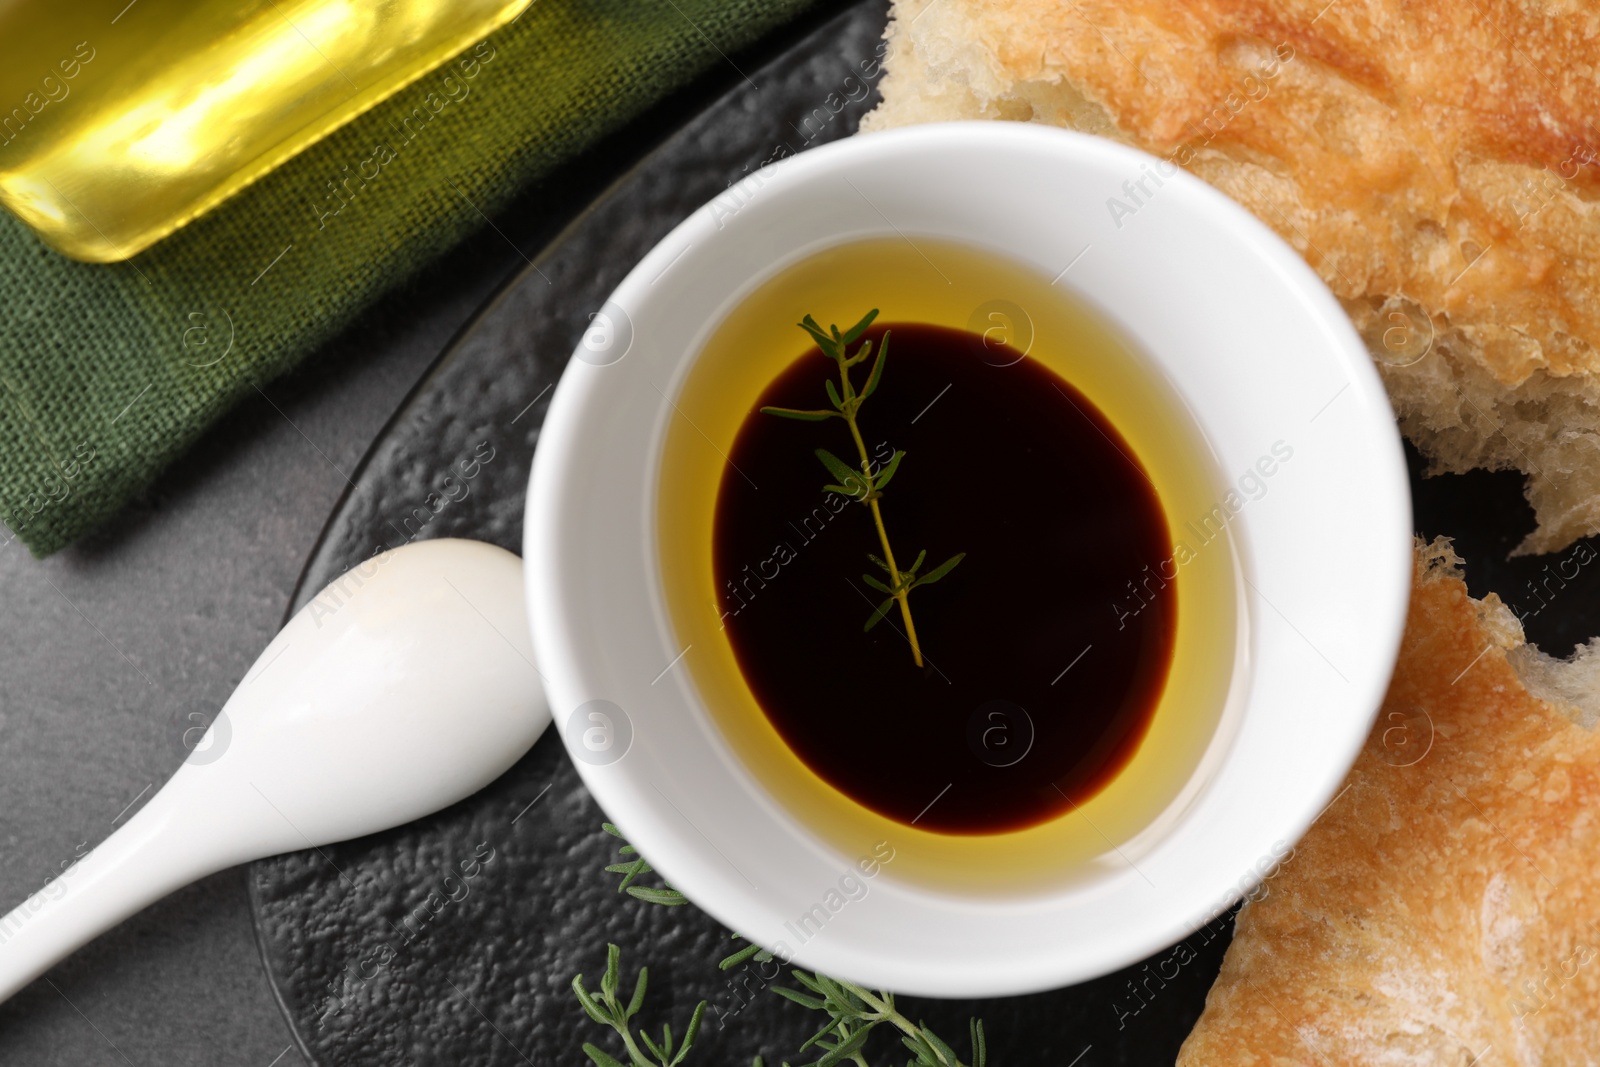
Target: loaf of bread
<point>1435,162</point>
<point>1445,909</point>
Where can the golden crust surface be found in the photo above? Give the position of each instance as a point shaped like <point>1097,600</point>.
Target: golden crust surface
<point>1445,910</point>
<point>1436,162</point>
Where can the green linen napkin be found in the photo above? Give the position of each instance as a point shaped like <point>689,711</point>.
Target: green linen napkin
<point>108,372</point>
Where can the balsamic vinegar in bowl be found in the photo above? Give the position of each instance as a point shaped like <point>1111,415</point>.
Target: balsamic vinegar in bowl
<point>1042,674</point>
<point>1027,701</point>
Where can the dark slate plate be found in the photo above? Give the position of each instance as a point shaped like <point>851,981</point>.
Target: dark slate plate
<point>453,940</point>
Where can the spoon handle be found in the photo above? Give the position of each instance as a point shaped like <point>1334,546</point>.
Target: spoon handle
<point>153,854</point>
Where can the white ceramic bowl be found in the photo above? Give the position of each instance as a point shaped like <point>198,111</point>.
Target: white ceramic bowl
<point>1256,347</point>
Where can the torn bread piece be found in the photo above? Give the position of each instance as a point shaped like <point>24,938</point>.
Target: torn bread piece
<point>1445,909</point>
<point>1436,163</point>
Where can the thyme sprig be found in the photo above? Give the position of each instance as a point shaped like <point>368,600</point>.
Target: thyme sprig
<point>853,1011</point>
<point>751,950</point>
<point>633,868</point>
<point>607,1009</point>
<point>866,483</point>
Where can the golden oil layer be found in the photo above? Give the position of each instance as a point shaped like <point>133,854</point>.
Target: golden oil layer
<point>949,284</point>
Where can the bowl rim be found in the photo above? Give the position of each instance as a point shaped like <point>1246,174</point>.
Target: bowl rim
<point>622,788</point>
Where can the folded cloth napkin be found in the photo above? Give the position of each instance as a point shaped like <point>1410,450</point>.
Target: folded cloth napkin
<point>108,372</point>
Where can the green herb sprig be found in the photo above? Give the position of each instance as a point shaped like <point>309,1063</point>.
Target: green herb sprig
<point>633,868</point>
<point>865,484</point>
<point>853,1011</point>
<point>751,950</point>
<point>608,1010</point>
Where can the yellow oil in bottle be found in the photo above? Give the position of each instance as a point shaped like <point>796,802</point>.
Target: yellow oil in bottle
<point>120,121</point>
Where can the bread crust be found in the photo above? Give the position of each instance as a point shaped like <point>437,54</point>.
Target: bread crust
<point>1442,911</point>
<point>1434,161</point>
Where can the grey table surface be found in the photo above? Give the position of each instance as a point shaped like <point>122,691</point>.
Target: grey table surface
<point>110,646</point>
<point>115,648</point>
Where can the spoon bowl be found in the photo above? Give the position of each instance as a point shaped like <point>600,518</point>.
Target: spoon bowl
<point>406,685</point>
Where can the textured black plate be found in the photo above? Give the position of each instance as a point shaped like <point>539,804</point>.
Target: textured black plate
<point>453,940</point>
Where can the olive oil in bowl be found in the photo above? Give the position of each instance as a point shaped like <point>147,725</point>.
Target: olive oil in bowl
<point>1072,665</point>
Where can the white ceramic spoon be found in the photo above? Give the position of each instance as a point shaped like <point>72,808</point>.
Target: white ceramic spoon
<point>405,686</point>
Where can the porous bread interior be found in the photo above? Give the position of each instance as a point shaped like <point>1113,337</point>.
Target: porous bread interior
<point>1571,686</point>
<point>1497,367</point>
<point>1440,909</point>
